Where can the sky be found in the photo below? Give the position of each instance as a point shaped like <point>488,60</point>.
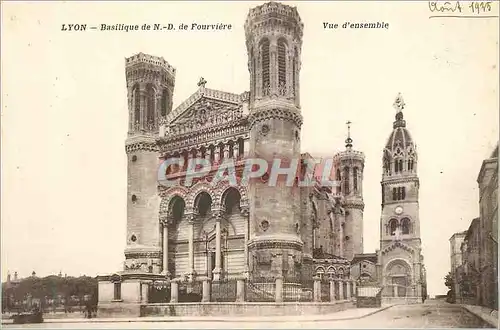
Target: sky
<point>64,114</point>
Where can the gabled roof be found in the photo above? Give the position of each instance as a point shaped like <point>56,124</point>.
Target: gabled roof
<point>203,92</point>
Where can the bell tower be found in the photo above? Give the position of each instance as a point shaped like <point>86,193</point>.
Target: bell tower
<point>349,165</point>
<point>150,86</point>
<point>274,39</point>
<point>401,267</point>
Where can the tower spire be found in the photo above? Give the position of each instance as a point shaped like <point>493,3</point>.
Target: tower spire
<point>348,141</point>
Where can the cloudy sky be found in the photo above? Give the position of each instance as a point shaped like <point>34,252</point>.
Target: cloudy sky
<point>64,113</point>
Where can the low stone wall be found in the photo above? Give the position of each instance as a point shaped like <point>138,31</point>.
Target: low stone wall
<point>118,309</point>
<point>244,309</point>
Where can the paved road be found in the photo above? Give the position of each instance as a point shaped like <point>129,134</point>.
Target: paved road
<point>429,315</point>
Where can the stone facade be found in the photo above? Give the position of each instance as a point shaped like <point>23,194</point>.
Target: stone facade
<point>210,229</point>
<point>456,260</point>
<point>475,267</point>
<point>488,224</point>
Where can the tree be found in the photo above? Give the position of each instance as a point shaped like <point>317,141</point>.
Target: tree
<point>449,282</point>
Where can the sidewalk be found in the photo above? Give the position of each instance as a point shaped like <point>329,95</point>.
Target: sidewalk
<point>488,315</point>
<point>348,314</point>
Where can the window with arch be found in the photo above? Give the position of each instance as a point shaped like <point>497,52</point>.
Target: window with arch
<point>253,68</point>
<point>241,148</point>
<point>393,225</point>
<point>346,180</point>
<point>231,149</point>
<point>212,152</point>
<point>405,226</point>
<point>137,103</point>
<point>399,193</point>
<point>282,46</point>
<point>410,165</point>
<point>355,178</point>
<point>164,102</point>
<point>203,204</point>
<point>294,72</point>
<point>221,151</point>
<point>265,63</point>
<point>150,104</point>
<point>232,200</point>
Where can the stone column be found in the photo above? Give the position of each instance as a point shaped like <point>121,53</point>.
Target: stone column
<point>191,246</point>
<point>218,254</point>
<point>144,292</point>
<point>174,291</point>
<point>236,150</point>
<point>240,290</point>
<point>395,290</point>
<point>317,289</point>
<point>354,293</point>
<point>341,290</point>
<point>279,289</point>
<point>165,248</point>
<point>245,213</point>
<point>332,290</point>
<point>348,290</point>
<point>206,290</point>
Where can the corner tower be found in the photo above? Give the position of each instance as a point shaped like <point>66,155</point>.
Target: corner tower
<point>150,86</point>
<point>349,166</point>
<point>274,39</point>
<point>400,262</point>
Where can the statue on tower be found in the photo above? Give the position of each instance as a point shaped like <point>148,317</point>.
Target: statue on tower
<point>399,104</point>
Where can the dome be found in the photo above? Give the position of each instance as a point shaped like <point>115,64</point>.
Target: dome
<point>400,137</point>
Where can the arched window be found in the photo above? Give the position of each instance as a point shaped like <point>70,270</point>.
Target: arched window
<point>231,149</point>
<point>294,72</point>
<point>405,226</point>
<point>221,151</point>
<point>253,67</point>
<point>164,102</point>
<point>393,225</point>
<point>282,65</point>
<point>395,194</point>
<point>400,165</point>
<point>346,181</point>
<point>137,104</point>
<point>150,104</point>
<point>265,62</point>
<point>396,166</point>
<point>241,148</point>
<point>212,153</point>
<point>403,192</point>
<point>355,178</point>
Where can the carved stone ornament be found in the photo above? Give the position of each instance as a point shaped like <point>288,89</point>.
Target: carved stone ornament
<point>264,130</point>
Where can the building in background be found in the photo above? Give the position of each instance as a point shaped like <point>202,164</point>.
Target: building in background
<point>456,261</point>
<point>488,231</point>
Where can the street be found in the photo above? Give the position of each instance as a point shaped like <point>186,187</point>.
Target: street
<point>432,314</point>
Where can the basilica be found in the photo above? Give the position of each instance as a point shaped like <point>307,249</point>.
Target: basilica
<point>209,233</point>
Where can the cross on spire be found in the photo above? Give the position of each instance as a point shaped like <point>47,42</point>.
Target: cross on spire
<point>202,82</point>
<point>348,141</point>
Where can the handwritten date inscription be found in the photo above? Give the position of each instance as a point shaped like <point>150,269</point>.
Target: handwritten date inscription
<point>460,7</point>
